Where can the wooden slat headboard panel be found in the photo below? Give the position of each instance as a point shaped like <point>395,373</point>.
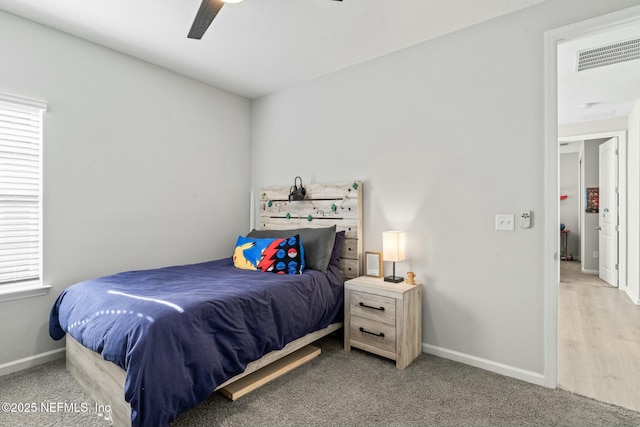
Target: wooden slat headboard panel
<point>325,205</point>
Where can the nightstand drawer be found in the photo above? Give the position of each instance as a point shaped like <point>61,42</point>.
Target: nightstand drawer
<point>374,307</point>
<point>373,333</point>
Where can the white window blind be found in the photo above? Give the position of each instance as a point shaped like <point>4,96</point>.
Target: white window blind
<point>20,189</point>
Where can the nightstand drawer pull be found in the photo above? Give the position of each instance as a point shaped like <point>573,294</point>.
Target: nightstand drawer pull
<point>381,335</point>
<point>368,306</point>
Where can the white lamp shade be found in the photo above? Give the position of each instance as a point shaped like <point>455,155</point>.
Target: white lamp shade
<point>393,246</point>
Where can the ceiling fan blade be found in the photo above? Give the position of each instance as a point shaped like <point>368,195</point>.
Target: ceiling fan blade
<point>208,10</point>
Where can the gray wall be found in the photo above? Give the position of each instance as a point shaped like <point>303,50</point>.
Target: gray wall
<point>570,207</point>
<point>137,162</point>
<point>445,135</point>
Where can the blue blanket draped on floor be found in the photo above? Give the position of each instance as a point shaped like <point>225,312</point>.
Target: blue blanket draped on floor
<point>181,331</point>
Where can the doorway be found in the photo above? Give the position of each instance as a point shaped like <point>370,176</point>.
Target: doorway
<point>582,166</point>
<point>552,236</point>
<point>597,323</point>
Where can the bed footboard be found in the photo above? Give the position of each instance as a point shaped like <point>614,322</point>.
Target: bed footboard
<point>104,381</point>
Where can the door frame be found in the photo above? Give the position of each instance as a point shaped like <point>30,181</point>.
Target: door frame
<point>551,165</point>
<point>622,194</point>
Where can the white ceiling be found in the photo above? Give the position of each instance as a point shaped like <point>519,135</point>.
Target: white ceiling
<point>599,93</point>
<point>261,46</point>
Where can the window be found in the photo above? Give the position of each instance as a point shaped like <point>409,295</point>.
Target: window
<point>20,197</point>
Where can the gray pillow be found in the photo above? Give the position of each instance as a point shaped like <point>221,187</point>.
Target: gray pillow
<point>316,242</point>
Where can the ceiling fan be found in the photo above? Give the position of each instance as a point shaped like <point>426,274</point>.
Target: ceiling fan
<point>208,10</point>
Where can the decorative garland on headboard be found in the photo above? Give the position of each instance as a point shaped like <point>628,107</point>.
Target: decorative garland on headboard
<point>324,206</point>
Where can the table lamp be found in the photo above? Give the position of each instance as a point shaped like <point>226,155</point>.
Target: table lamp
<point>393,250</point>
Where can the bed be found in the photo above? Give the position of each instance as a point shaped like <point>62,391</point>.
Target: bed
<point>152,344</point>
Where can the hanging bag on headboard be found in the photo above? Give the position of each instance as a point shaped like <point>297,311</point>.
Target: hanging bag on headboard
<point>297,193</point>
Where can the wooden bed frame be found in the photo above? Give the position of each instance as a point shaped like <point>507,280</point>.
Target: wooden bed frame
<point>324,206</point>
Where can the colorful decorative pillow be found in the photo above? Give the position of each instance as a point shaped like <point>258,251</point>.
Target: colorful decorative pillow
<point>279,255</point>
<point>318,243</point>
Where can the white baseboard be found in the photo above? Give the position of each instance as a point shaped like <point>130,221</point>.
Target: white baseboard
<point>489,365</point>
<point>28,362</point>
<point>594,272</point>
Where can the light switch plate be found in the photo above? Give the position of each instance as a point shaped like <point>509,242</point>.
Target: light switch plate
<point>505,223</point>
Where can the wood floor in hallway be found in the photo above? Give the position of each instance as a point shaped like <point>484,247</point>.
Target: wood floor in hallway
<point>598,339</point>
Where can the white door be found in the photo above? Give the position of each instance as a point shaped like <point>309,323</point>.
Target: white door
<point>608,212</point>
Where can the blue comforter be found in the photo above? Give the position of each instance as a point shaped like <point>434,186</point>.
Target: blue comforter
<point>179,332</point>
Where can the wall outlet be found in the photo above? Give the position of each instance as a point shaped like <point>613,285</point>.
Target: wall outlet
<point>595,254</point>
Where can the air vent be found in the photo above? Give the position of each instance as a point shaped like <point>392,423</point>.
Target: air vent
<point>609,54</point>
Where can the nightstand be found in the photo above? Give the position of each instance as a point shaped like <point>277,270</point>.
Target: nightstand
<point>383,318</point>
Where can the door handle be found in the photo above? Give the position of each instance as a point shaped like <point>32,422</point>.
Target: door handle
<point>598,228</point>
